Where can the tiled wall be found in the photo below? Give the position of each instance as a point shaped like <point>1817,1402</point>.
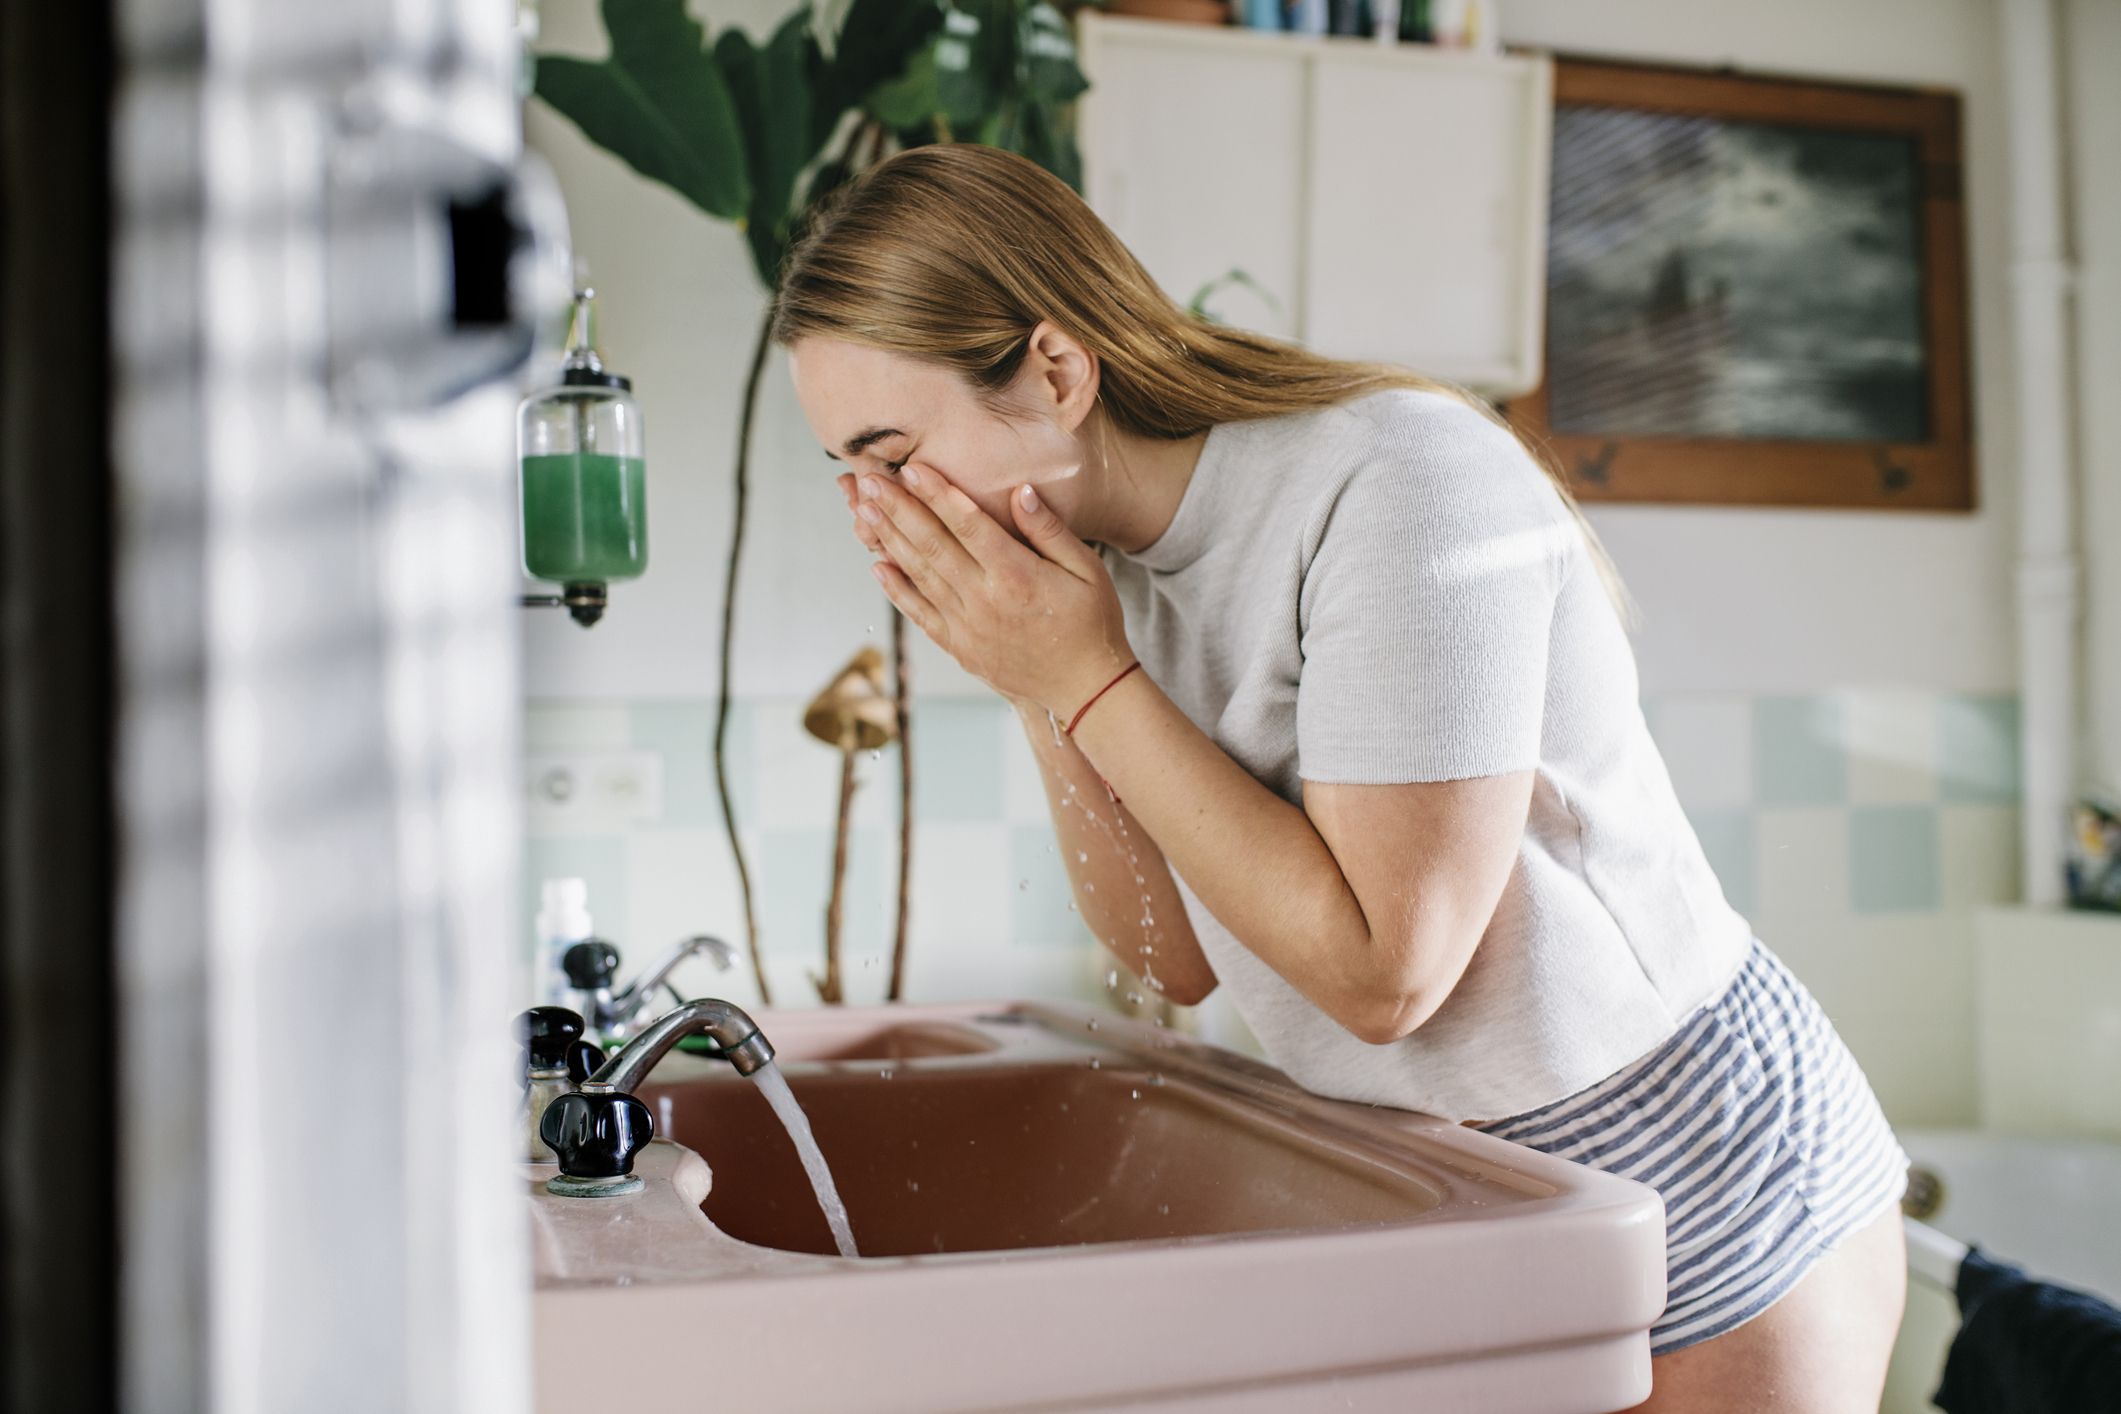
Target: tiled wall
<point>1858,831</point>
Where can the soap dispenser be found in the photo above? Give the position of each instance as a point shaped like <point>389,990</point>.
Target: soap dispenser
<point>584,480</point>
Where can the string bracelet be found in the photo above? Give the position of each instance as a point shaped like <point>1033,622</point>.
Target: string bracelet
<point>1070,728</point>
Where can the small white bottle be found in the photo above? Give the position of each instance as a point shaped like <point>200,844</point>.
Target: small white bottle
<point>563,921</point>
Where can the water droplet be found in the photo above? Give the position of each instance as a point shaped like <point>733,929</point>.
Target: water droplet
<point>876,755</point>
<point>1157,1078</point>
<point>1090,888</point>
<point>1148,948</point>
<point>1111,977</point>
<point>870,629</point>
<point>1093,1025</point>
<point>1071,905</point>
<point>913,1184</point>
<point>1135,1093</point>
<point>884,1074</point>
<point>1134,998</point>
<point>1022,884</point>
<point>1093,1062</point>
<point>1139,879</point>
<point>1159,1021</point>
<point>1082,856</point>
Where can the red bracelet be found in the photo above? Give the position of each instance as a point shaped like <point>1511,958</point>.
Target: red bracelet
<point>1070,728</point>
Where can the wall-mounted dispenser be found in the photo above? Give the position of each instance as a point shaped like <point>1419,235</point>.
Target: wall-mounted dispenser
<point>580,445</point>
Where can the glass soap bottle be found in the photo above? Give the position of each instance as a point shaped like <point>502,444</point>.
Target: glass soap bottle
<point>584,480</point>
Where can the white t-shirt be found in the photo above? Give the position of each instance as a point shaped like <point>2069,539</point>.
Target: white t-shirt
<point>1387,590</point>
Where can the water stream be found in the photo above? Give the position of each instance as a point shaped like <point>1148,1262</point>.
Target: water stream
<point>774,1086</point>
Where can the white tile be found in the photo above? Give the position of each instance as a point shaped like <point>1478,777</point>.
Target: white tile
<point>678,883</point>
<point>798,776</point>
<point>1803,860</point>
<point>1980,857</point>
<point>1891,741</point>
<point>2041,1078</point>
<point>576,726</point>
<point>961,905</point>
<point>1707,744</point>
<point>1023,788</point>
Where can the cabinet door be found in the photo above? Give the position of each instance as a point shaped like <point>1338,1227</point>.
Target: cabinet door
<point>1193,155</point>
<point>1426,227</point>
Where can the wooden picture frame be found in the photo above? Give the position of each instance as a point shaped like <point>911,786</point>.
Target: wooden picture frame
<point>1702,425</point>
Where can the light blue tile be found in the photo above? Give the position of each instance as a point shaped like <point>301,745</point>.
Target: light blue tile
<point>1978,748</point>
<point>682,733</point>
<point>1039,892</point>
<point>957,759</point>
<point>1727,838</point>
<point>598,860</point>
<point>1894,854</point>
<point>794,873</point>
<point>1798,752</point>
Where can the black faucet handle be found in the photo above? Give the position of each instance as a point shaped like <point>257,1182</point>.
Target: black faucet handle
<point>549,1034</point>
<point>583,1058</point>
<point>591,964</point>
<point>596,1133</point>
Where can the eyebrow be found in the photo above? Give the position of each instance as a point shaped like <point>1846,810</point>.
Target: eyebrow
<point>853,445</point>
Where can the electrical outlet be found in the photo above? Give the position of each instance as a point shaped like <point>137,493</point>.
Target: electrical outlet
<point>592,792</point>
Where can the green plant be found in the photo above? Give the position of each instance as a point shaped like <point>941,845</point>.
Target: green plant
<point>754,133</point>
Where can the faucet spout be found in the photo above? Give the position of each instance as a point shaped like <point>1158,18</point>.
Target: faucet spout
<point>744,1045</point>
<point>643,988</point>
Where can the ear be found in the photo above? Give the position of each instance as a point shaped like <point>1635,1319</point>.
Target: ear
<point>1067,372</point>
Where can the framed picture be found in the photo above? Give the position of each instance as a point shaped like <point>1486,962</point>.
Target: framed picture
<point>1756,292</point>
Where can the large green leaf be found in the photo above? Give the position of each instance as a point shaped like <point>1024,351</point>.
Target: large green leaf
<point>659,104</point>
<point>877,41</point>
<point>773,92</point>
<point>1051,74</point>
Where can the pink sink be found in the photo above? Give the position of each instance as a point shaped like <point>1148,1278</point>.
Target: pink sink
<point>1174,1228</point>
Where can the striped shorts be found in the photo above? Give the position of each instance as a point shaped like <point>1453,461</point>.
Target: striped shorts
<point>1757,1128</point>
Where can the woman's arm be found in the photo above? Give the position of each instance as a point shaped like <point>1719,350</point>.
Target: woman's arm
<point>1118,848</point>
<point>1370,904</point>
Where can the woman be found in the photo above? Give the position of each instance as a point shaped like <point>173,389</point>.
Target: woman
<point>1335,708</point>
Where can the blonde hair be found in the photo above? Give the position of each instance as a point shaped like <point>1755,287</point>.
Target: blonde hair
<point>953,252</point>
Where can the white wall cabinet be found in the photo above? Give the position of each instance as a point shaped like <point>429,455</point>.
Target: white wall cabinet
<point>1391,200</point>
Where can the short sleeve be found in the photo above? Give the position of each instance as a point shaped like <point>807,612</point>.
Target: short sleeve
<point>1428,605</point>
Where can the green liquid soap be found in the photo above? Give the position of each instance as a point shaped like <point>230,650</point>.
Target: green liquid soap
<point>584,517</point>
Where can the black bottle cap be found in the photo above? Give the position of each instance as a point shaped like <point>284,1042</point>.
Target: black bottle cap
<point>596,1133</point>
<point>591,964</point>
<point>548,1033</point>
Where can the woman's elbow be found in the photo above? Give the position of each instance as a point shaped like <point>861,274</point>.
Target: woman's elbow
<point>1394,1007</point>
<point>1391,1015</point>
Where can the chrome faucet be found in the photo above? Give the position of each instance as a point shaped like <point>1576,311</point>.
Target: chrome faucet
<point>597,1128</point>
<point>592,966</point>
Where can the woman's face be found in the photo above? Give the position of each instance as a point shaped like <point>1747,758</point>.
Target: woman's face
<point>874,411</point>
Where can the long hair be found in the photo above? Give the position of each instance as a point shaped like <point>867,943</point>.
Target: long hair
<point>952,253</point>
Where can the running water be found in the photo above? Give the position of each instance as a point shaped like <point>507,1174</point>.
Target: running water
<point>774,1086</point>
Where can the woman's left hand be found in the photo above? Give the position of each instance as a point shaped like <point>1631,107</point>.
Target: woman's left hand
<point>1041,624</point>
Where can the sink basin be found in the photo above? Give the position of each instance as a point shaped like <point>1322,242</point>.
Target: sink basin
<point>1068,1218</point>
<point>994,1159</point>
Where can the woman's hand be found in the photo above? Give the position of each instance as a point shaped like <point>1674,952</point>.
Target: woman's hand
<point>1040,625</point>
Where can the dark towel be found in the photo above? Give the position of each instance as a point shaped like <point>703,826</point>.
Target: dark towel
<point>2029,1347</point>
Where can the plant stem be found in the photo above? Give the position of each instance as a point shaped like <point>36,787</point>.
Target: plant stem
<point>721,715</point>
<point>901,698</point>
